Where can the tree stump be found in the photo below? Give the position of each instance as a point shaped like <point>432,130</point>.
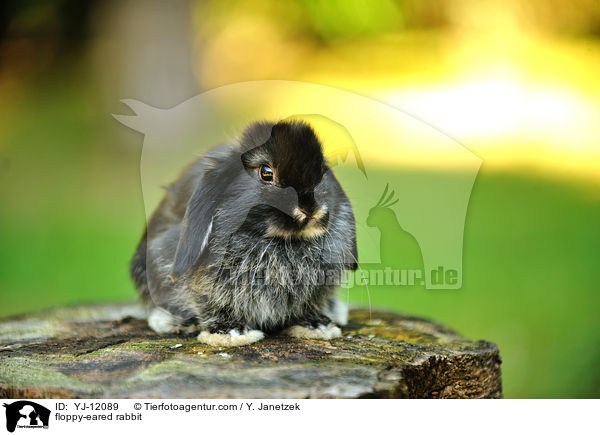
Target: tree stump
<point>107,351</point>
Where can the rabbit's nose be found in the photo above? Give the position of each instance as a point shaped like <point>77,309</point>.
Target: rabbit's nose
<point>305,217</point>
<point>300,215</point>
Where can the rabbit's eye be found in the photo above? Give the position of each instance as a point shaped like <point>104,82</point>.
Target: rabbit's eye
<point>266,173</point>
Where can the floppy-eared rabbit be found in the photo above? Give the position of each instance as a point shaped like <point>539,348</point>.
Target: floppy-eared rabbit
<point>252,238</point>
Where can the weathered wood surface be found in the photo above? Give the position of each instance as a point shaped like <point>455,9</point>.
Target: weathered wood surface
<point>108,352</point>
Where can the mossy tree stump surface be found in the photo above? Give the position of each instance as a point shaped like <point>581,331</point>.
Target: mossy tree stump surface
<point>107,351</point>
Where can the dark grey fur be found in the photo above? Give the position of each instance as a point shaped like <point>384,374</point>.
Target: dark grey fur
<point>207,255</point>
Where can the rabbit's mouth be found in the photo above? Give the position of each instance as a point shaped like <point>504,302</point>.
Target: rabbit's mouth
<point>312,230</point>
<point>309,231</point>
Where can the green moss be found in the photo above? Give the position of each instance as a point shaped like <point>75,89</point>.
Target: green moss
<point>25,373</point>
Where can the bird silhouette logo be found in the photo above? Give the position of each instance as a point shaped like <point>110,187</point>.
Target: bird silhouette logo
<point>398,247</point>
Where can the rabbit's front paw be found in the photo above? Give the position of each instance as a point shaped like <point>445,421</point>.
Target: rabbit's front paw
<point>162,321</point>
<point>320,332</point>
<point>337,311</point>
<point>231,338</point>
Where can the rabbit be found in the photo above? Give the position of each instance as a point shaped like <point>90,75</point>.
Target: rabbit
<point>252,238</point>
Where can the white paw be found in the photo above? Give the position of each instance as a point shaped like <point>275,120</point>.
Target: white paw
<point>161,321</point>
<point>322,332</point>
<point>233,338</point>
<point>338,312</point>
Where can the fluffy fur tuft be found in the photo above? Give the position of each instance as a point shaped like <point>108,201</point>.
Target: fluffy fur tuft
<point>231,339</point>
<point>321,332</point>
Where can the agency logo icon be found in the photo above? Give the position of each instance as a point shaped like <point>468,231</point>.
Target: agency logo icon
<point>25,414</point>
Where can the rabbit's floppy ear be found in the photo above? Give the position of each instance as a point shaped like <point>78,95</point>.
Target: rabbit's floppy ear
<point>198,219</point>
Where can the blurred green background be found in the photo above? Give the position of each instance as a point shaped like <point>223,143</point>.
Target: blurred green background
<point>516,83</point>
